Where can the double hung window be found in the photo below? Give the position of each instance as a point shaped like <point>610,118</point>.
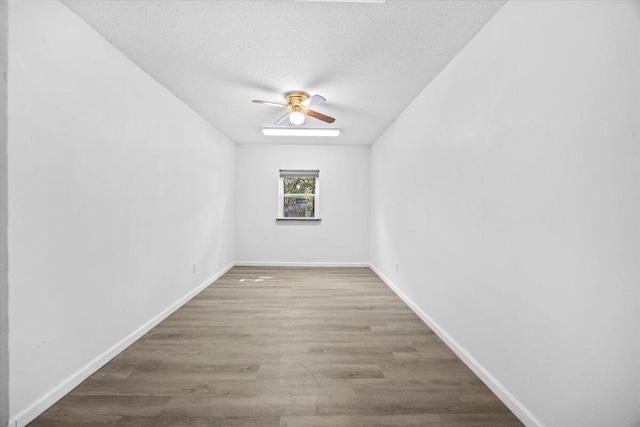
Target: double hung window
<point>299,196</point>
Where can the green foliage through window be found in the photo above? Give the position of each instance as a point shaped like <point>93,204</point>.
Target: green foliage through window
<point>297,185</point>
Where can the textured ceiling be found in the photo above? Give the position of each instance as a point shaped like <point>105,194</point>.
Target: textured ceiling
<point>370,60</point>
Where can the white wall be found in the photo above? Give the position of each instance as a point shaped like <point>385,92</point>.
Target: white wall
<point>341,238</point>
<point>4,285</point>
<point>509,192</point>
<point>115,188</point>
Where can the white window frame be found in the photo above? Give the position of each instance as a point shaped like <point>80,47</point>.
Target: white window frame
<point>316,197</point>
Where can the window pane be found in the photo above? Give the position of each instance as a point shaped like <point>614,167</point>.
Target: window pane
<point>297,185</point>
<point>298,207</point>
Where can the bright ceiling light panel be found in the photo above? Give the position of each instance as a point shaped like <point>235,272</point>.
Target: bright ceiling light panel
<point>348,1</point>
<point>300,132</point>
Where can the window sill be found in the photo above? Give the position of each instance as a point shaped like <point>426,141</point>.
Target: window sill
<point>299,219</point>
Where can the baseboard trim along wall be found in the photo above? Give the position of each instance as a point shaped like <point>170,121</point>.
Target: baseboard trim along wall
<point>496,387</point>
<point>48,399</point>
<point>299,264</point>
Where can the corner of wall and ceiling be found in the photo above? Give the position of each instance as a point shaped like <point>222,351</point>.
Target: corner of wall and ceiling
<point>439,73</point>
<point>145,71</point>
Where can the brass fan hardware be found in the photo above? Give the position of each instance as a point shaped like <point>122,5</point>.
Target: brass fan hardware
<point>297,103</point>
<point>295,97</point>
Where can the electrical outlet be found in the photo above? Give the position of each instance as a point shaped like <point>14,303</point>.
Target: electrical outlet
<point>195,267</point>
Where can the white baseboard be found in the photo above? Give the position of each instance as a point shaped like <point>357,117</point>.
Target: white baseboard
<point>48,399</point>
<point>299,264</point>
<point>496,387</point>
<point>12,423</point>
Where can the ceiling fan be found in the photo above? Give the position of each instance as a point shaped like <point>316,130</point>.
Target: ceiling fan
<point>298,104</point>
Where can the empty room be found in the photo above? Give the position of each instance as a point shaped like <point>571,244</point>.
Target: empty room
<point>320,213</point>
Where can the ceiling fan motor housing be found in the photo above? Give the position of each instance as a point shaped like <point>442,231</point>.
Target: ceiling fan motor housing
<point>295,99</point>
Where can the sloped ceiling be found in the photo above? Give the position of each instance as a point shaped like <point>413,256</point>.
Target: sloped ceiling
<point>370,60</point>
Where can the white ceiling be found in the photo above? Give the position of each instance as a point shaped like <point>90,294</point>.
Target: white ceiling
<point>370,60</point>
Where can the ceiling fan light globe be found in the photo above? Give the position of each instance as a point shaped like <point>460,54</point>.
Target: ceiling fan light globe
<point>296,118</point>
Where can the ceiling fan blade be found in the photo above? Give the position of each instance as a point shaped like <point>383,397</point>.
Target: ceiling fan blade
<point>282,120</point>
<point>319,116</point>
<point>275,104</point>
<point>314,100</point>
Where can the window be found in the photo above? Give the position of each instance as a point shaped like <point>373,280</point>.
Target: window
<point>299,195</point>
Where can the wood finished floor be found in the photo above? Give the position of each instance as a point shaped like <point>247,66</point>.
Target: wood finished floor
<point>267,346</point>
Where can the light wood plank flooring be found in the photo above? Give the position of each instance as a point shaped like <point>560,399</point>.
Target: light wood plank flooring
<point>266,346</point>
